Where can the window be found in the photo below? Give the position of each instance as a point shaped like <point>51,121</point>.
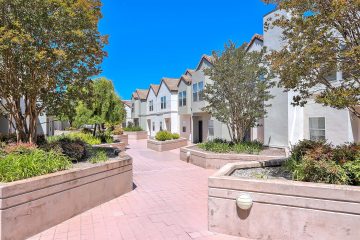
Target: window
<point>184,129</point>
<point>153,126</point>
<point>132,107</point>
<point>151,105</point>
<point>317,128</point>
<point>195,89</point>
<point>182,99</point>
<point>211,128</point>
<point>161,128</point>
<point>201,91</point>
<point>163,102</point>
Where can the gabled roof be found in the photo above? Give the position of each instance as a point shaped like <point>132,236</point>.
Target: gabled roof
<point>155,88</point>
<point>208,58</point>
<point>134,95</point>
<point>170,83</point>
<point>255,37</point>
<point>142,93</point>
<point>127,103</point>
<point>189,71</point>
<point>187,80</point>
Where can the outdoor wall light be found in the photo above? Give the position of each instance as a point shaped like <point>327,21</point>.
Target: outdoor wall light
<point>244,201</point>
<point>188,156</point>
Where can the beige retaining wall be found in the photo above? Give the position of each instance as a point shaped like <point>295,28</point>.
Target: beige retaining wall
<point>137,135</point>
<point>30,206</point>
<point>122,138</point>
<point>217,160</point>
<point>283,209</point>
<point>161,146</point>
<point>119,145</point>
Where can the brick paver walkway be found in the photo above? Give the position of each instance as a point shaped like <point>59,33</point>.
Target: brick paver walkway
<point>169,202</point>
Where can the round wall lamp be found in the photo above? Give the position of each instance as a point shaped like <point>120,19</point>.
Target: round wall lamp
<point>244,201</point>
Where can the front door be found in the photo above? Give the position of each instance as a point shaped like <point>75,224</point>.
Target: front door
<point>200,131</point>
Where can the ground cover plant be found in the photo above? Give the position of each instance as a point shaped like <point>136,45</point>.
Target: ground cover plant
<point>223,146</point>
<point>166,135</point>
<point>315,161</point>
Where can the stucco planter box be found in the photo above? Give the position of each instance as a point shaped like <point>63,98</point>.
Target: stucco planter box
<point>121,146</point>
<point>137,135</point>
<point>282,209</point>
<point>121,138</point>
<point>196,156</point>
<point>161,146</point>
<point>30,206</point>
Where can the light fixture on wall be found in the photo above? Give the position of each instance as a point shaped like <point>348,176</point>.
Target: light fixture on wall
<point>244,201</point>
<point>188,156</point>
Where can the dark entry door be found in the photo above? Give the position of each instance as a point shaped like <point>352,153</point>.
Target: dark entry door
<point>200,131</point>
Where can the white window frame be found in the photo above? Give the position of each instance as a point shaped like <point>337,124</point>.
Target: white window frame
<point>151,105</point>
<point>201,91</point>
<point>195,91</point>
<point>211,128</point>
<point>163,102</point>
<point>312,129</point>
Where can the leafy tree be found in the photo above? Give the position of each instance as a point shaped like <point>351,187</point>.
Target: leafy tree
<point>45,47</point>
<point>104,107</point>
<point>322,38</point>
<point>239,89</point>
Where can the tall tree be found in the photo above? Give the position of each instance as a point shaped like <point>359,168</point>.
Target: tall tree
<point>104,107</point>
<point>239,89</point>
<point>322,37</point>
<point>45,47</point>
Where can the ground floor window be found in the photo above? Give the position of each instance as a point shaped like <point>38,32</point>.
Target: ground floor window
<point>153,126</point>
<point>317,128</point>
<point>161,127</point>
<point>211,128</point>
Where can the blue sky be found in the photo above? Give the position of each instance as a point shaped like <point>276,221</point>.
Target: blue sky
<point>149,40</point>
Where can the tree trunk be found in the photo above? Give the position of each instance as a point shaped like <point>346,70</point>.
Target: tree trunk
<point>94,132</point>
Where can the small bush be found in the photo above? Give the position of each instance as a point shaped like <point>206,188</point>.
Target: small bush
<point>163,136</point>
<point>175,136</point>
<point>75,149</point>
<point>16,166</point>
<point>314,161</point>
<point>223,146</point>
<point>133,129</point>
<point>87,138</point>
<point>87,131</point>
<point>117,131</point>
<point>18,148</point>
<point>98,156</point>
<point>105,137</point>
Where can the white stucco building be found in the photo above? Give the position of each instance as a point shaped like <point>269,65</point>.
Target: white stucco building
<point>285,124</point>
<point>128,120</point>
<point>138,107</point>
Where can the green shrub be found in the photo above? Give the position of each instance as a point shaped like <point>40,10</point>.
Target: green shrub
<point>117,131</point>
<point>16,166</point>
<point>163,136</point>
<point>105,137</point>
<point>98,156</point>
<point>175,136</point>
<point>133,129</point>
<point>75,149</point>
<point>87,138</point>
<point>315,161</point>
<point>223,146</point>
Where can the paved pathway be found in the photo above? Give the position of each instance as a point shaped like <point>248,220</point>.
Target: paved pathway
<point>169,202</point>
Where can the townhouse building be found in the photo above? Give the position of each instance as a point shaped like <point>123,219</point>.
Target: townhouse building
<point>285,124</point>
<point>128,119</point>
<point>138,107</point>
<point>162,107</point>
<point>184,103</point>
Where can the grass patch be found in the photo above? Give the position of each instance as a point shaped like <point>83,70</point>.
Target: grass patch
<point>22,164</point>
<point>222,146</point>
<point>98,156</point>
<point>133,129</point>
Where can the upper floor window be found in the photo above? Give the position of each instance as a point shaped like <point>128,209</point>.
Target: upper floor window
<point>163,102</point>
<point>317,128</point>
<point>151,105</point>
<point>198,91</point>
<point>182,99</point>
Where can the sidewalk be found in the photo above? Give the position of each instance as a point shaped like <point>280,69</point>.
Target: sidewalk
<point>169,202</point>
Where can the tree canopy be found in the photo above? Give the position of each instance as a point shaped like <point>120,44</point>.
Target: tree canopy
<point>239,89</point>
<point>46,46</point>
<point>322,38</point>
<point>104,107</point>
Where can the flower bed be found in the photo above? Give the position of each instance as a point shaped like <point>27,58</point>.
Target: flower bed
<point>33,205</point>
<point>206,159</point>
<point>281,209</point>
<point>161,146</point>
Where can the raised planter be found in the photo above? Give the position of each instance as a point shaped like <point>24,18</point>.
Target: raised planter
<point>30,206</point>
<point>137,135</point>
<point>122,138</point>
<point>196,156</point>
<point>116,145</point>
<point>282,209</point>
<point>161,146</point>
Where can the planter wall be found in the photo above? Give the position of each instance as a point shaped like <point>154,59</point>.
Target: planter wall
<point>116,145</point>
<point>217,160</point>
<point>161,146</point>
<point>282,209</point>
<point>33,205</point>
<point>122,138</point>
<point>137,135</point>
